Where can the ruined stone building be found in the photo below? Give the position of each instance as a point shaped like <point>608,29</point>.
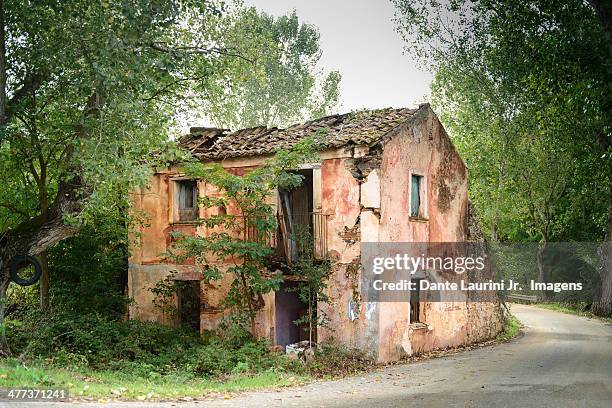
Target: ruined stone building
<point>388,175</point>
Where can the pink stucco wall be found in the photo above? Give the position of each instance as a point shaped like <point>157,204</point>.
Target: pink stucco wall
<point>368,208</point>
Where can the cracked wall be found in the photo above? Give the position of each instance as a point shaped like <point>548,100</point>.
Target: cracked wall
<point>364,191</point>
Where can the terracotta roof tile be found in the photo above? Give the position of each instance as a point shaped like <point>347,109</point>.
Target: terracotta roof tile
<point>362,127</point>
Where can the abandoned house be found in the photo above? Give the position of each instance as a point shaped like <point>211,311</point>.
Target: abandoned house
<point>388,175</point>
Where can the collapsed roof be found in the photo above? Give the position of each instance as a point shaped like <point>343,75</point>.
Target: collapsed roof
<point>356,128</point>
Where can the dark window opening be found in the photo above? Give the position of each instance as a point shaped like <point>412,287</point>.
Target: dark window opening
<point>415,196</point>
<point>189,305</point>
<point>415,303</point>
<point>187,200</point>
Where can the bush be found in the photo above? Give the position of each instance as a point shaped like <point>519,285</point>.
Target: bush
<point>96,341</point>
<point>141,348</point>
<point>218,358</point>
<point>333,359</point>
<point>89,271</point>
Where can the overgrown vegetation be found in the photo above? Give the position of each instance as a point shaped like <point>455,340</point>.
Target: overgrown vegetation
<point>311,286</point>
<point>512,326</point>
<point>243,235</point>
<point>335,360</point>
<point>88,91</point>
<point>85,337</point>
<point>103,385</point>
<point>93,356</point>
<point>575,308</point>
<point>250,367</point>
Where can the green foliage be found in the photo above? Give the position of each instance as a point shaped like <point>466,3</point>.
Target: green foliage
<point>165,292</point>
<point>102,384</point>
<point>283,84</point>
<point>512,327</point>
<point>218,358</point>
<point>97,284</point>
<point>311,288</point>
<point>243,236</point>
<point>93,86</point>
<point>575,308</point>
<point>66,338</point>
<point>78,287</point>
<point>142,349</point>
<point>524,90</point>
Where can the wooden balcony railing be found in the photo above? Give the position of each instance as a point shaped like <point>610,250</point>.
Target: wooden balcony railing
<point>310,235</point>
<point>306,236</point>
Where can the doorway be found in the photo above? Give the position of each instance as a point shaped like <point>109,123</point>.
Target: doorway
<point>296,219</point>
<point>289,308</point>
<point>189,305</point>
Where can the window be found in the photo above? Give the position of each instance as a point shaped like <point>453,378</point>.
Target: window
<point>415,304</point>
<point>187,200</point>
<point>416,196</point>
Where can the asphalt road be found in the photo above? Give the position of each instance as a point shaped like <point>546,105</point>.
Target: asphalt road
<point>561,361</point>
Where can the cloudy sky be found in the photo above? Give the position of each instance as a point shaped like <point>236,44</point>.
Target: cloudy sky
<point>358,39</point>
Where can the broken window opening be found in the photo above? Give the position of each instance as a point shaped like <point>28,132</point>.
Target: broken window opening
<point>302,232</point>
<point>416,196</point>
<point>296,219</point>
<point>222,210</point>
<point>187,200</point>
<point>415,302</point>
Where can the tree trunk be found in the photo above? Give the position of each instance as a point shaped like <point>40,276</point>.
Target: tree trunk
<point>35,235</point>
<point>2,69</point>
<point>602,306</point>
<point>4,282</point>
<point>542,271</point>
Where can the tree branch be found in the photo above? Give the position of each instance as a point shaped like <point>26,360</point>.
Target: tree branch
<point>30,84</point>
<point>165,88</point>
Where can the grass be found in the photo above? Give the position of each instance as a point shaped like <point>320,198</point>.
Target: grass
<point>101,385</point>
<point>144,381</point>
<point>572,308</point>
<point>512,327</point>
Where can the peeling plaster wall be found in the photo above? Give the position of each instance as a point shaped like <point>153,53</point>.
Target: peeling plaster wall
<point>340,199</point>
<point>147,265</point>
<point>422,147</point>
<point>364,191</point>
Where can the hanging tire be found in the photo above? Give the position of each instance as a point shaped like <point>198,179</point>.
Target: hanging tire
<point>18,263</point>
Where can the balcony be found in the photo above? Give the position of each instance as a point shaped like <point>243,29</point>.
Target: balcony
<point>303,235</point>
<point>307,236</point>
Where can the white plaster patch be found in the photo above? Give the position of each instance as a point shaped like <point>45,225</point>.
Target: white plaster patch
<point>406,343</point>
<point>370,191</point>
<point>351,310</point>
<point>369,226</point>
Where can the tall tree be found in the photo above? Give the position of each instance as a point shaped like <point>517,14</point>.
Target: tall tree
<point>284,85</point>
<point>89,91</point>
<point>517,80</point>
